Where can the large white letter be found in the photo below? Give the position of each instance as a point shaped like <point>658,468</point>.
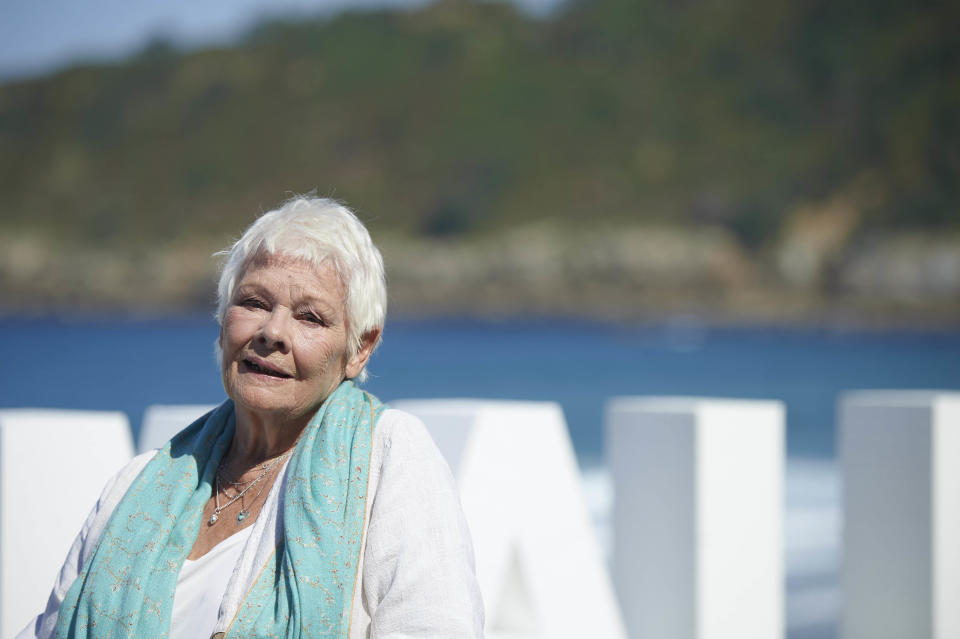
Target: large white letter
<point>53,466</point>
<point>901,539</point>
<point>538,562</point>
<point>698,516</point>
<point>161,422</point>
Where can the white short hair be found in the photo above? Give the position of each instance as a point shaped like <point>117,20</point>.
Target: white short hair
<point>318,231</point>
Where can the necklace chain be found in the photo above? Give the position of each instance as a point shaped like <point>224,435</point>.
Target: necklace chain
<point>244,513</point>
<point>264,468</point>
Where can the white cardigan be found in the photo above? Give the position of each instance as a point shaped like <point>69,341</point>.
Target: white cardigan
<point>416,567</point>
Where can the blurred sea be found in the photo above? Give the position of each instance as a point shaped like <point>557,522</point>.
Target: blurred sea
<point>128,363</point>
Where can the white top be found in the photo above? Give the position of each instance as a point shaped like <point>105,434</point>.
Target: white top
<point>416,568</point>
<point>200,587</point>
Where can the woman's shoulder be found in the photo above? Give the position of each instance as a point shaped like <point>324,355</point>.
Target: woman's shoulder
<point>116,487</point>
<point>125,476</point>
<point>139,461</point>
<point>402,442</point>
<point>396,420</point>
<point>400,428</point>
<point>418,559</point>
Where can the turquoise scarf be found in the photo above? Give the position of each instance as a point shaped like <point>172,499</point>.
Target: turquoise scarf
<point>306,589</point>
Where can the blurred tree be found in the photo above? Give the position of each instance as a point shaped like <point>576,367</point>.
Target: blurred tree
<point>465,117</point>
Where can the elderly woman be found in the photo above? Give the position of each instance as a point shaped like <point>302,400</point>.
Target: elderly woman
<point>301,506</point>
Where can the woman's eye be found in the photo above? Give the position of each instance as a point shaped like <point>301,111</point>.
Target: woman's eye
<point>253,302</point>
<point>313,318</point>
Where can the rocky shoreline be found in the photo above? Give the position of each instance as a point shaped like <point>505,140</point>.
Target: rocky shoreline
<point>633,273</point>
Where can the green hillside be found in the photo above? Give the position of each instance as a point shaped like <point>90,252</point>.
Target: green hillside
<point>465,117</point>
<point>775,160</point>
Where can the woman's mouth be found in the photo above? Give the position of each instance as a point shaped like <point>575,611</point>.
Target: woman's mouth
<point>265,369</point>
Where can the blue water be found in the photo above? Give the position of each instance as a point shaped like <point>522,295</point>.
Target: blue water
<point>126,364</point>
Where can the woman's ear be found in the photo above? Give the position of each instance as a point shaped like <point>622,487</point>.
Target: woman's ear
<point>368,342</point>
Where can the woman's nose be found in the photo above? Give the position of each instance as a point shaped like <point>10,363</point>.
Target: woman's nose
<point>273,332</point>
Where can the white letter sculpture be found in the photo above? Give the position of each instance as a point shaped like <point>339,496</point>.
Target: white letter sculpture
<point>161,422</point>
<point>539,565</point>
<point>901,542</point>
<point>698,516</point>
<point>53,466</point>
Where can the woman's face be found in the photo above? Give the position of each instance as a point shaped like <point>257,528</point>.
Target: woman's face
<point>284,338</point>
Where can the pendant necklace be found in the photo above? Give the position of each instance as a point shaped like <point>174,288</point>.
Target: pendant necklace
<point>244,513</point>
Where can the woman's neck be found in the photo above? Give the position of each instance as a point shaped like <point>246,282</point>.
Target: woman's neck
<point>259,439</point>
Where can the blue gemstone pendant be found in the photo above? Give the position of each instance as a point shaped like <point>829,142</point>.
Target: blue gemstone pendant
<point>243,514</point>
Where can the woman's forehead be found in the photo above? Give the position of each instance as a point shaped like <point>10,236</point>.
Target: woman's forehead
<point>321,268</point>
<point>301,273</point>
<point>264,258</point>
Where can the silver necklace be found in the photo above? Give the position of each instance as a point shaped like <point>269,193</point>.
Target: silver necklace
<point>264,469</point>
<point>244,513</point>
<point>217,508</point>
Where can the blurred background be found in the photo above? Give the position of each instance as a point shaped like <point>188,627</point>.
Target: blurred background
<point>656,173</point>
<point>575,200</point>
<point>740,161</point>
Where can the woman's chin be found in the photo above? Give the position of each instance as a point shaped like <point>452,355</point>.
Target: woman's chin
<point>263,402</point>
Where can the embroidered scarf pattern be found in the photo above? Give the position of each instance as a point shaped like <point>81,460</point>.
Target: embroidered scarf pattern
<point>306,589</point>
